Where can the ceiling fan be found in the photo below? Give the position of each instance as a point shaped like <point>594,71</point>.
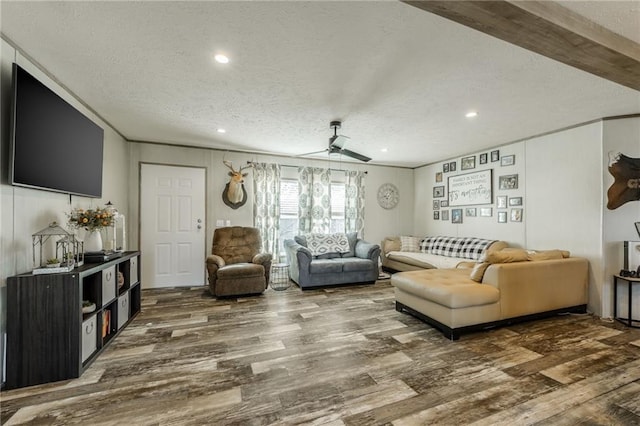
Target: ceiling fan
<point>337,143</point>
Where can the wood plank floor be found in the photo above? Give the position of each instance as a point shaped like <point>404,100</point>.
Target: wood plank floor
<point>339,356</point>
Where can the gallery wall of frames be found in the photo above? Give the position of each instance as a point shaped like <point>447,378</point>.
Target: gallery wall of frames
<point>483,185</point>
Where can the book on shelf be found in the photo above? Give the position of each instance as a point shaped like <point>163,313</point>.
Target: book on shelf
<point>106,320</point>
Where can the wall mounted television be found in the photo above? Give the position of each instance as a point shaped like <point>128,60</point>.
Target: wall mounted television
<point>54,146</point>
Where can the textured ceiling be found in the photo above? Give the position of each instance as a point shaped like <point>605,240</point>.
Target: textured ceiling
<point>398,77</point>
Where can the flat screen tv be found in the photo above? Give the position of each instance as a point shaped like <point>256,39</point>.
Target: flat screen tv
<point>53,145</point>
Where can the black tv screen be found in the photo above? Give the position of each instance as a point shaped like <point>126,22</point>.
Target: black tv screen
<point>54,146</point>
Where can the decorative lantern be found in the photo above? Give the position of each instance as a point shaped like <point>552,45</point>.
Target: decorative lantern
<point>115,234</point>
<point>65,250</point>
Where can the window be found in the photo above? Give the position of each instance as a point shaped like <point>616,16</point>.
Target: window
<point>289,209</point>
<point>337,207</point>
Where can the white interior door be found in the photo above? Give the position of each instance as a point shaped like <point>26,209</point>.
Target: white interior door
<point>172,227</point>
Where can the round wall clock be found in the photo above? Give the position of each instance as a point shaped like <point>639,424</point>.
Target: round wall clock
<point>388,196</point>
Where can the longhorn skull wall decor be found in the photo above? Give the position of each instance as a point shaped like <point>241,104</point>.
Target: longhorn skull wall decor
<point>234,194</point>
<point>626,186</point>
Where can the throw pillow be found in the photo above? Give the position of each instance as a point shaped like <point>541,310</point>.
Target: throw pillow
<point>320,244</point>
<point>477,273</point>
<point>353,239</point>
<point>534,255</point>
<point>507,255</point>
<point>410,244</point>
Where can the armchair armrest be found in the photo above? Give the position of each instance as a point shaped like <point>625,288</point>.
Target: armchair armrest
<point>365,250</point>
<point>215,260</point>
<point>262,258</point>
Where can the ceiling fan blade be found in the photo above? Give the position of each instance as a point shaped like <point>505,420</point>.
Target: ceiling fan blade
<point>311,153</point>
<point>338,141</point>
<point>350,154</point>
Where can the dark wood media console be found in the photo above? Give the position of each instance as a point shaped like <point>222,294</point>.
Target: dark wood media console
<point>49,338</point>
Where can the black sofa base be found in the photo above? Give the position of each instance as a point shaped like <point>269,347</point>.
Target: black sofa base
<point>454,333</point>
<point>317,287</point>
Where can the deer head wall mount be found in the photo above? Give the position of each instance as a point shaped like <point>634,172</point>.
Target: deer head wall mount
<point>234,194</point>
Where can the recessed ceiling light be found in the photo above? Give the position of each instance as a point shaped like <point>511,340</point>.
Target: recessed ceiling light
<point>222,131</point>
<point>471,114</point>
<point>384,150</point>
<point>221,59</point>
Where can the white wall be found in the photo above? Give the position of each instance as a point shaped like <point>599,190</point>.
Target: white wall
<point>564,198</point>
<point>563,180</point>
<point>378,221</point>
<point>25,211</point>
<point>619,136</point>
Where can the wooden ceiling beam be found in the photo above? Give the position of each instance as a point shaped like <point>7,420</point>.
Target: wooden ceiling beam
<point>551,30</point>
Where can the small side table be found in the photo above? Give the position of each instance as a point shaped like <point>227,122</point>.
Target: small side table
<point>280,276</point>
<point>629,321</point>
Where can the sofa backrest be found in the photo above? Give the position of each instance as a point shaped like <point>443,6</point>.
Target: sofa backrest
<point>352,237</point>
<point>461,247</point>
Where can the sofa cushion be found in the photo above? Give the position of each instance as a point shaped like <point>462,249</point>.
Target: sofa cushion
<point>477,273</point>
<point>352,237</point>
<point>447,287</point>
<point>465,248</point>
<point>424,260</point>
<point>325,266</point>
<point>508,255</point>
<point>240,270</point>
<point>355,264</point>
<point>410,244</point>
<point>535,255</point>
<point>320,244</point>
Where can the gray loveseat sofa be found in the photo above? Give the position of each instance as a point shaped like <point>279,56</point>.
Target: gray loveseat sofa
<point>357,265</point>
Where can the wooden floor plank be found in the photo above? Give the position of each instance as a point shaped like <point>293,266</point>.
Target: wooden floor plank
<point>339,356</point>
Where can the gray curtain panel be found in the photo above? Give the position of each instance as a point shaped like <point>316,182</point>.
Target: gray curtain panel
<point>354,202</point>
<point>266,205</point>
<point>314,210</point>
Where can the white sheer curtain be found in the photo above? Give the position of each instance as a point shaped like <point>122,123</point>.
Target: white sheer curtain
<point>354,202</point>
<point>266,205</point>
<point>314,211</point>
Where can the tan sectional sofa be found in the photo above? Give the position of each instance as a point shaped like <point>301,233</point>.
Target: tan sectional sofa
<point>514,287</point>
<point>417,253</point>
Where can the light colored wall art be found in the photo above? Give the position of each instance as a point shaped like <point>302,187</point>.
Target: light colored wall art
<point>470,188</point>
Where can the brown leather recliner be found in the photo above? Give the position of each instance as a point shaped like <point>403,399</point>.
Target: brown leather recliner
<point>236,267</point>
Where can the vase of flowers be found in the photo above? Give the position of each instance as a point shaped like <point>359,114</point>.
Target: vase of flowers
<point>92,221</point>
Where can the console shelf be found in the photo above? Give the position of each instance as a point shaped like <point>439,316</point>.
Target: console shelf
<point>49,338</point>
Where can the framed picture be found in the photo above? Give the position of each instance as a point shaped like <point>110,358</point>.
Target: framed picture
<point>468,163</point>
<point>495,155</point>
<point>508,160</point>
<point>501,202</point>
<point>444,203</point>
<point>436,215</point>
<point>483,158</point>
<point>515,201</point>
<point>444,215</point>
<point>436,205</point>
<point>456,216</point>
<point>516,215</point>
<point>470,212</point>
<point>438,191</point>
<point>439,177</point>
<point>508,182</point>
<point>502,217</point>
<point>486,211</point>
<point>452,166</point>
<point>445,168</point>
